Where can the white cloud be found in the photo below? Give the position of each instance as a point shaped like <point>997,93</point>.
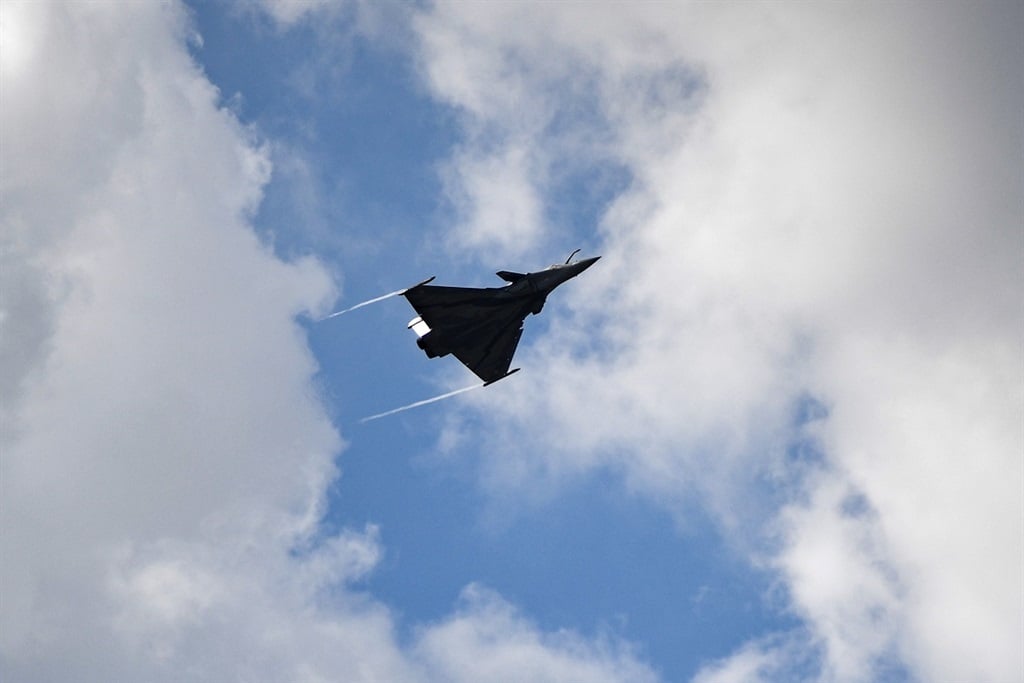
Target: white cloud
<point>825,202</point>
<point>758,662</point>
<point>165,455</point>
<point>487,640</point>
<point>290,12</point>
<point>495,193</point>
<point>511,90</point>
<point>837,569</point>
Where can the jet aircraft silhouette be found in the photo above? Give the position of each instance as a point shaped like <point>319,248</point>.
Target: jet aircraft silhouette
<point>482,326</point>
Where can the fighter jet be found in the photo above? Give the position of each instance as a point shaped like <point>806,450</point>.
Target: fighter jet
<point>481,326</point>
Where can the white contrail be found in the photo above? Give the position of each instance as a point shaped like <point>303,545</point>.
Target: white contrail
<point>422,403</point>
<point>365,303</point>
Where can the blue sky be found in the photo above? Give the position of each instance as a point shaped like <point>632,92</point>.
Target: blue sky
<point>772,435</point>
<point>590,558</point>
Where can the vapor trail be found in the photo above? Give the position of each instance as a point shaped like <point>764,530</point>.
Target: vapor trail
<point>421,403</point>
<point>365,303</point>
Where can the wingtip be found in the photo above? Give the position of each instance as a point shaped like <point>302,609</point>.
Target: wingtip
<point>510,372</point>
<point>419,284</point>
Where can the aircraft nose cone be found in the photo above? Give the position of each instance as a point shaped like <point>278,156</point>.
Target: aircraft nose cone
<point>550,278</point>
<point>583,264</point>
<point>575,269</point>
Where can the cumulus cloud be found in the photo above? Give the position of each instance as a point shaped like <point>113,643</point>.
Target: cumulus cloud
<point>496,198</point>
<point>165,454</point>
<point>771,659</point>
<point>823,208</point>
<point>487,640</point>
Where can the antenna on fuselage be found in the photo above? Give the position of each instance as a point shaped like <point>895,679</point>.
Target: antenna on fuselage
<point>570,256</point>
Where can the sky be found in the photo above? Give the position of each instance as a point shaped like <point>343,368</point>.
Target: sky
<point>774,434</point>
